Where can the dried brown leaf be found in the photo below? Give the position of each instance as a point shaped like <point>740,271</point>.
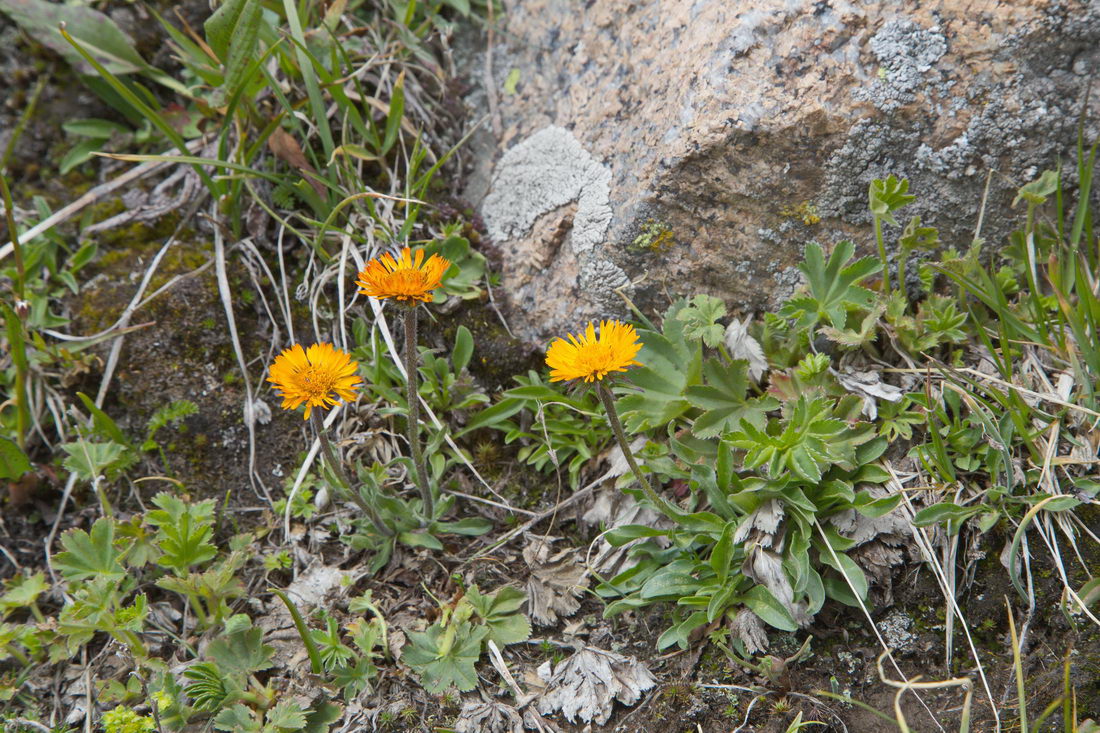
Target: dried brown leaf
<point>586,685</point>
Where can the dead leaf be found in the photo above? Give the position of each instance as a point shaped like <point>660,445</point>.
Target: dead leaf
<point>869,386</point>
<point>612,508</point>
<point>314,584</point>
<point>748,627</point>
<point>743,346</point>
<point>761,525</point>
<point>287,149</point>
<point>488,717</point>
<point>586,685</point>
<point>556,582</point>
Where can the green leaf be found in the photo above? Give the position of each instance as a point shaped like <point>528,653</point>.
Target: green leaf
<point>13,461</point>
<point>760,601</point>
<point>237,719</point>
<point>105,427</point>
<point>887,196</point>
<point>871,507</point>
<point>23,591</point>
<point>492,416</point>
<point>170,413</point>
<point>420,539</point>
<point>184,531</point>
<point>469,526</point>
<point>95,128</point>
<point>1036,192</point>
<point>669,584</point>
<point>723,399</point>
<point>94,30</point>
<point>287,715</point>
<point>81,152</point>
<point>944,512</point>
<point>319,720</point>
<point>917,237</point>
<point>220,25</point>
<point>833,285</point>
<point>463,349</point>
<point>630,532</point>
<point>210,689</point>
<point>500,612</point>
<point>680,634</point>
<point>671,365</point>
<point>700,320</point>
<point>722,553</point>
<point>846,566</point>
<point>396,114</point>
<point>90,555</point>
<point>445,656</point>
<point>242,652</point>
<point>89,460</point>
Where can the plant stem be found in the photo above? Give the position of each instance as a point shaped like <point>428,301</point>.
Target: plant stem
<point>341,475</point>
<point>903,255</point>
<point>414,413</point>
<point>616,427</point>
<point>15,324</point>
<point>882,255</point>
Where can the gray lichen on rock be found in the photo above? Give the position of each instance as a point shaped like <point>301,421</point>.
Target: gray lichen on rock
<point>906,52</point>
<point>600,279</point>
<point>547,170</point>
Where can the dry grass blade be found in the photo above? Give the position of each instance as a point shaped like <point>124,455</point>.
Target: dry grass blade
<point>916,684</point>
<point>863,607</point>
<point>93,196</point>
<point>249,408</point>
<point>947,588</point>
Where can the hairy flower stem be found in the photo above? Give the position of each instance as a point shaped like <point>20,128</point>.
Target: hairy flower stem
<point>414,413</point>
<point>342,475</point>
<point>616,427</point>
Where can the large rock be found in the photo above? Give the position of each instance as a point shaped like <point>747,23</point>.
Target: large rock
<point>659,147</point>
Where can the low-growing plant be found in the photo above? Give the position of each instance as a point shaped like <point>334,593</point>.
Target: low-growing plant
<point>445,653</point>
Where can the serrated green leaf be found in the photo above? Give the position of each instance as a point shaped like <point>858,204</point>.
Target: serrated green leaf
<point>237,719</point>
<point>241,653</point>
<point>23,591</point>
<point>90,555</point>
<point>440,668</point>
<point>209,688</point>
<point>833,285</point>
<point>286,716</point>
<point>722,397</point>
<point>885,196</point>
<point>500,612</point>
<point>88,460</point>
<point>184,531</point>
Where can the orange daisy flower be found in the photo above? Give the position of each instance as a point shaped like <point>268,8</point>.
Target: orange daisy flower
<point>591,358</point>
<point>408,278</point>
<point>315,376</point>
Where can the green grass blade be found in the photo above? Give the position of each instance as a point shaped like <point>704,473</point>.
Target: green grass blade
<point>309,76</point>
<point>148,112</point>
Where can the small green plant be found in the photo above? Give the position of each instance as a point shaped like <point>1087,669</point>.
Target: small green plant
<point>444,655</point>
<point>886,196</point>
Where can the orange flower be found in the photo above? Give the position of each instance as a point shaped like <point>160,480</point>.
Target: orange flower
<point>312,376</point>
<point>406,278</point>
<point>590,358</point>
